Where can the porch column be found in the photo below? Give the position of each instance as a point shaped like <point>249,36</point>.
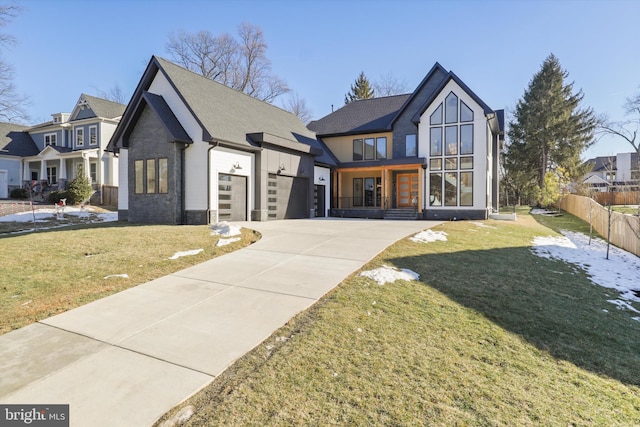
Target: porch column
<point>26,171</point>
<point>86,167</point>
<point>63,169</point>
<point>43,170</point>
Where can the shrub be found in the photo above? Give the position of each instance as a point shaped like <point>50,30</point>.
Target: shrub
<point>79,189</point>
<point>55,196</point>
<point>19,193</point>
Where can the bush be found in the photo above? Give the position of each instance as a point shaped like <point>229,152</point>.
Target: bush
<point>19,193</point>
<point>79,189</point>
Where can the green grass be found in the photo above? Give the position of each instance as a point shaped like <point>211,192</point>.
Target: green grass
<point>626,209</point>
<point>489,335</point>
<point>50,271</point>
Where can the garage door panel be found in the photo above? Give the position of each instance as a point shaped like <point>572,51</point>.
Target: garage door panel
<point>232,197</point>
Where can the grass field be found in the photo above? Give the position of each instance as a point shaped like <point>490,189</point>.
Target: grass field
<point>490,335</point>
<point>50,271</point>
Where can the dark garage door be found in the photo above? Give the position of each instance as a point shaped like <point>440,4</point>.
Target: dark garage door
<point>288,197</point>
<point>232,197</point>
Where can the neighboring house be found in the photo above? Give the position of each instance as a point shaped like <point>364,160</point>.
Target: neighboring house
<point>50,154</point>
<point>431,154</point>
<point>193,151</point>
<point>618,172</point>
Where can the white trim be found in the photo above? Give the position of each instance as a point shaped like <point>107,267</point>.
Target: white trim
<point>49,135</point>
<point>76,132</point>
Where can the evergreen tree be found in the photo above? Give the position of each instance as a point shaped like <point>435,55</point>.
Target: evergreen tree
<point>80,188</point>
<point>549,129</point>
<point>361,89</point>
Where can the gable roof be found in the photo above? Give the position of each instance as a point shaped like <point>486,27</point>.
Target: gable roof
<point>225,115</point>
<point>100,107</point>
<point>609,163</point>
<point>15,141</point>
<point>451,76</point>
<point>363,116</point>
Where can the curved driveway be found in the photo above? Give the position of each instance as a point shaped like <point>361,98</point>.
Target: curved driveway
<point>126,359</point>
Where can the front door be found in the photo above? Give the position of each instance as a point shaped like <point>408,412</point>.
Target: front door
<point>407,190</point>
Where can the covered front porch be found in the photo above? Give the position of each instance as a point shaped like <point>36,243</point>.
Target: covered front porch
<point>53,168</point>
<point>379,191</point>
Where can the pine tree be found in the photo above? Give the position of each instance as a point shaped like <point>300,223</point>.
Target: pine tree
<point>361,89</point>
<point>549,128</point>
<point>80,188</point>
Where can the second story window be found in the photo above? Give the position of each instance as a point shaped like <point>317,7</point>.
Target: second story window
<point>50,139</point>
<point>79,137</point>
<point>411,146</point>
<point>93,135</point>
<point>370,148</point>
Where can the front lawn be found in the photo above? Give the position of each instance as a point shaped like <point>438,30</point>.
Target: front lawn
<point>47,272</point>
<point>490,334</point>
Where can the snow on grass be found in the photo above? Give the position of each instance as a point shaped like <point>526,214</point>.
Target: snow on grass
<point>225,229</point>
<point>387,273</point>
<point>186,253</point>
<point>481,224</point>
<point>48,213</point>
<point>428,236</point>
<point>224,242</point>
<point>620,272</point>
<point>111,276</point>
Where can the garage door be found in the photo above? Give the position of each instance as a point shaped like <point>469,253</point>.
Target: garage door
<point>288,197</point>
<point>232,197</point>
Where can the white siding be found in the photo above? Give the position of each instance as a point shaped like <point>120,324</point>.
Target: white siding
<point>123,180</point>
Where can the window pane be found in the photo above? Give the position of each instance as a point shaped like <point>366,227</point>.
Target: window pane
<point>466,188</point>
<point>435,164</point>
<point>162,176</point>
<point>151,176</point>
<point>139,176</point>
<point>451,189</point>
<point>466,114</point>
<point>93,172</point>
<point>451,140</point>
<point>369,149</point>
<point>436,141</point>
<point>357,149</point>
<point>436,117</point>
<point>381,148</point>
<point>466,139</point>
<point>451,163</point>
<point>411,146</point>
<point>435,189</point>
<point>451,109</point>
<point>369,189</point>
<point>466,162</point>
<point>357,191</point>
<point>93,135</point>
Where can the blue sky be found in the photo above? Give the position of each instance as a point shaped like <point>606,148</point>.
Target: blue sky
<point>68,47</point>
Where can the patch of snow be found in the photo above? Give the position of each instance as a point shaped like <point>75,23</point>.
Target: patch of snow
<point>225,229</point>
<point>623,304</point>
<point>538,211</point>
<point>48,213</point>
<point>637,319</point>
<point>224,242</point>
<point>186,253</point>
<point>620,272</point>
<point>122,276</point>
<point>386,274</point>
<point>428,236</point>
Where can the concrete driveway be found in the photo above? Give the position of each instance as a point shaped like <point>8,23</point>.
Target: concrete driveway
<point>127,359</point>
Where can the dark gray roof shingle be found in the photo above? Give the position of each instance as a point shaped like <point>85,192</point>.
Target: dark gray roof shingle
<point>104,108</point>
<point>367,115</point>
<point>15,141</point>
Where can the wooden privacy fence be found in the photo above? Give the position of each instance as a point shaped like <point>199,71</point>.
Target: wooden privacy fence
<point>623,198</point>
<point>109,195</point>
<point>625,229</point>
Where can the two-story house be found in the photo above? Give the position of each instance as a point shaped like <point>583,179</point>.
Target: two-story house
<point>51,153</point>
<point>430,154</point>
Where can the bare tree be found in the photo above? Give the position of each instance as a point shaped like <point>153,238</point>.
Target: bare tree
<point>12,105</point>
<point>389,85</point>
<point>114,94</point>
<point>298,106</point>
<point>627,129</point>
<point>240,64</point>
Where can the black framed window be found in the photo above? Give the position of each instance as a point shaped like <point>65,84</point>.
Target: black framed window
<point>435,141</point>
<point>381,147</point>
<point>436,116</point>
<point>451,108</point>
<point>411,145</point>
<point>369,148</point>
<point>466,113</point>
<point>357,149</point>
<point>466,139</point>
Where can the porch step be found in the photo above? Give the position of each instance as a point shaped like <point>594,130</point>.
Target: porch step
<point>401,214</point>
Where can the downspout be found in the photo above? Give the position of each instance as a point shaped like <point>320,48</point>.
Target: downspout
<point>213,144</point>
